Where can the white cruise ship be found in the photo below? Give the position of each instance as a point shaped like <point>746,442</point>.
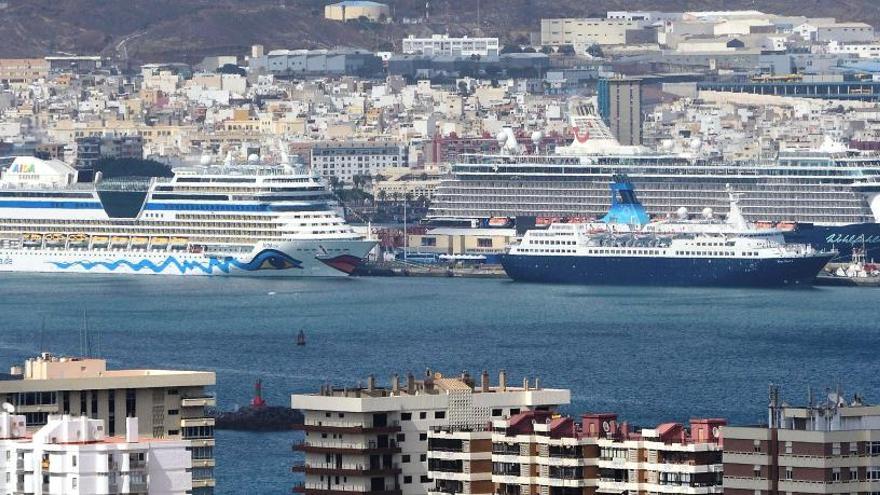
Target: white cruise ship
<point>251,220</point>
<point>816,195</point>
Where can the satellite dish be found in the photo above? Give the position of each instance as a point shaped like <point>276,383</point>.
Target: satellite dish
<point>537,136</point>
<point>682,213</point>
<point>501,137</point>
<point>707,213</point>
<point>8,407</point>
<point>606,427</point>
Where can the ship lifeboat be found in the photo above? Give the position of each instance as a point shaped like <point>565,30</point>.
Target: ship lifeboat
<point>178,242</point>
<point>159,243</point>
<point>33,240</point>
<point>543,221</point>
<point>764,225</point>
<point>78,240</point>
<point>499,222</point>
<point>100,241</point>
<point>785,226</point>
<point>139,241</point>
<point>118,241</point>
<point>55,240</point>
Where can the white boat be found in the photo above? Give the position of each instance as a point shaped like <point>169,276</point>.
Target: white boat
<point>252,220</point>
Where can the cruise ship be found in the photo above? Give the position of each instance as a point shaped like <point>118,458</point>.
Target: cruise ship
<point>251,220</point>
<point>828,198</point>
<point>573,253</point>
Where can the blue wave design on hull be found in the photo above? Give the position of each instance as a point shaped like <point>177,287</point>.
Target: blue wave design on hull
<point>267,259</point>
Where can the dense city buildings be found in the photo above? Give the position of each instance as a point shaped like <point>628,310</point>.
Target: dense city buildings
<point>168,404</point>
<point>828,446</point>
<point>371,439</point>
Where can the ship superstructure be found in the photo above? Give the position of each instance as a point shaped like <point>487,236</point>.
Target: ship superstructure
<point>266,220</point>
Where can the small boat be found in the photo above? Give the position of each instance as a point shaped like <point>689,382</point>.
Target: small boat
<point>499,222</point>
<point>55,240</point>
<point>139,241</point>
<point>78,240</point>
<point>159,243</point>
<point>33,240</point>
<point>118,241</point>
<point>178,242</point>
<point>100,241</point>
<point>301,338</point>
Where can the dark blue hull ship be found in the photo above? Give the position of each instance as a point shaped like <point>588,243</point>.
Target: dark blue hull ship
<point>692,272</point>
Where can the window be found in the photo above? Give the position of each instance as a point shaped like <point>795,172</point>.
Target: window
<point>484,242</point>
<point>424,478</point>
<point>173,412</point>
<point>423,415</point>
<point>835,475</point>
<point>423,437</point>
<point>404,459</point>
<point>423,457</point>
<point>439,414</point>
<point>172,391</point>
<point>405,416</point>
<point>429,241</point>
<point>407,480</point>
<point>401,437</point>
<point>789,473</point>
<point>341,415</point>
<point>497,412</point>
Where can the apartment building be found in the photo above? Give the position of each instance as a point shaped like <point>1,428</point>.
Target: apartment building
<point>23,71</point>
<point>73,456</point>
<point>168,404</point>
<point>443,45</point>
<point>344,160</point>
<point>830,446</point>
<point>460,462</point>
<point>374,440</point>
<point>89,150</point>
<point>620,106</point>
<point>539,453</point>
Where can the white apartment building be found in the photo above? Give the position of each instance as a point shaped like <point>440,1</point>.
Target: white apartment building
<point>372,440</point>
<point>74,456</point>
<point>460,462</point>
<point>844,32</point>
<point>344,160</point>
<point>861,50</point>
<point>442,44</point>
<point>170,404</point>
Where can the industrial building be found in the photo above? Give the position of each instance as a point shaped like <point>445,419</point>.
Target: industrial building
<point>168,404</point>
<point>590,31</point>
<point>315,62</point>
<point>375,439</point>
<point>353,10</point>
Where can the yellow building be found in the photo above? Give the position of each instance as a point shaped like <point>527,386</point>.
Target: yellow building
<point>459,241</point>
<point>352,10</point>
<point>23,71</point>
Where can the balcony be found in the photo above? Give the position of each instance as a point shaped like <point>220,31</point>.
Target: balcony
<point>333,470</point>
<point>356,428</point>
<point>370,448</point>
<point>206,401</point>
<point>185,422</point>
<point>309,490</point>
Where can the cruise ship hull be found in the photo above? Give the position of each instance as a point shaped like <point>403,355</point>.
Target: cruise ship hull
<point>698,272</point>
<point>310,258</point>
<point>843,238</point>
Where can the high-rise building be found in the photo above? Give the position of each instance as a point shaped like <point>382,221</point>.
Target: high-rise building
<point>74,456</point>
<point>620,106</point>
<point>831,446</point>
<point>345,160</point>
<point>374,440</point>
<point>168,404</point>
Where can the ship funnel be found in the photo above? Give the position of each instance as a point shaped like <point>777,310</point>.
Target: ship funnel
<point>502,380</point>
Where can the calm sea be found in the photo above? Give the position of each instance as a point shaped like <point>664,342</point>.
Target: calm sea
<point>649,354</point>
